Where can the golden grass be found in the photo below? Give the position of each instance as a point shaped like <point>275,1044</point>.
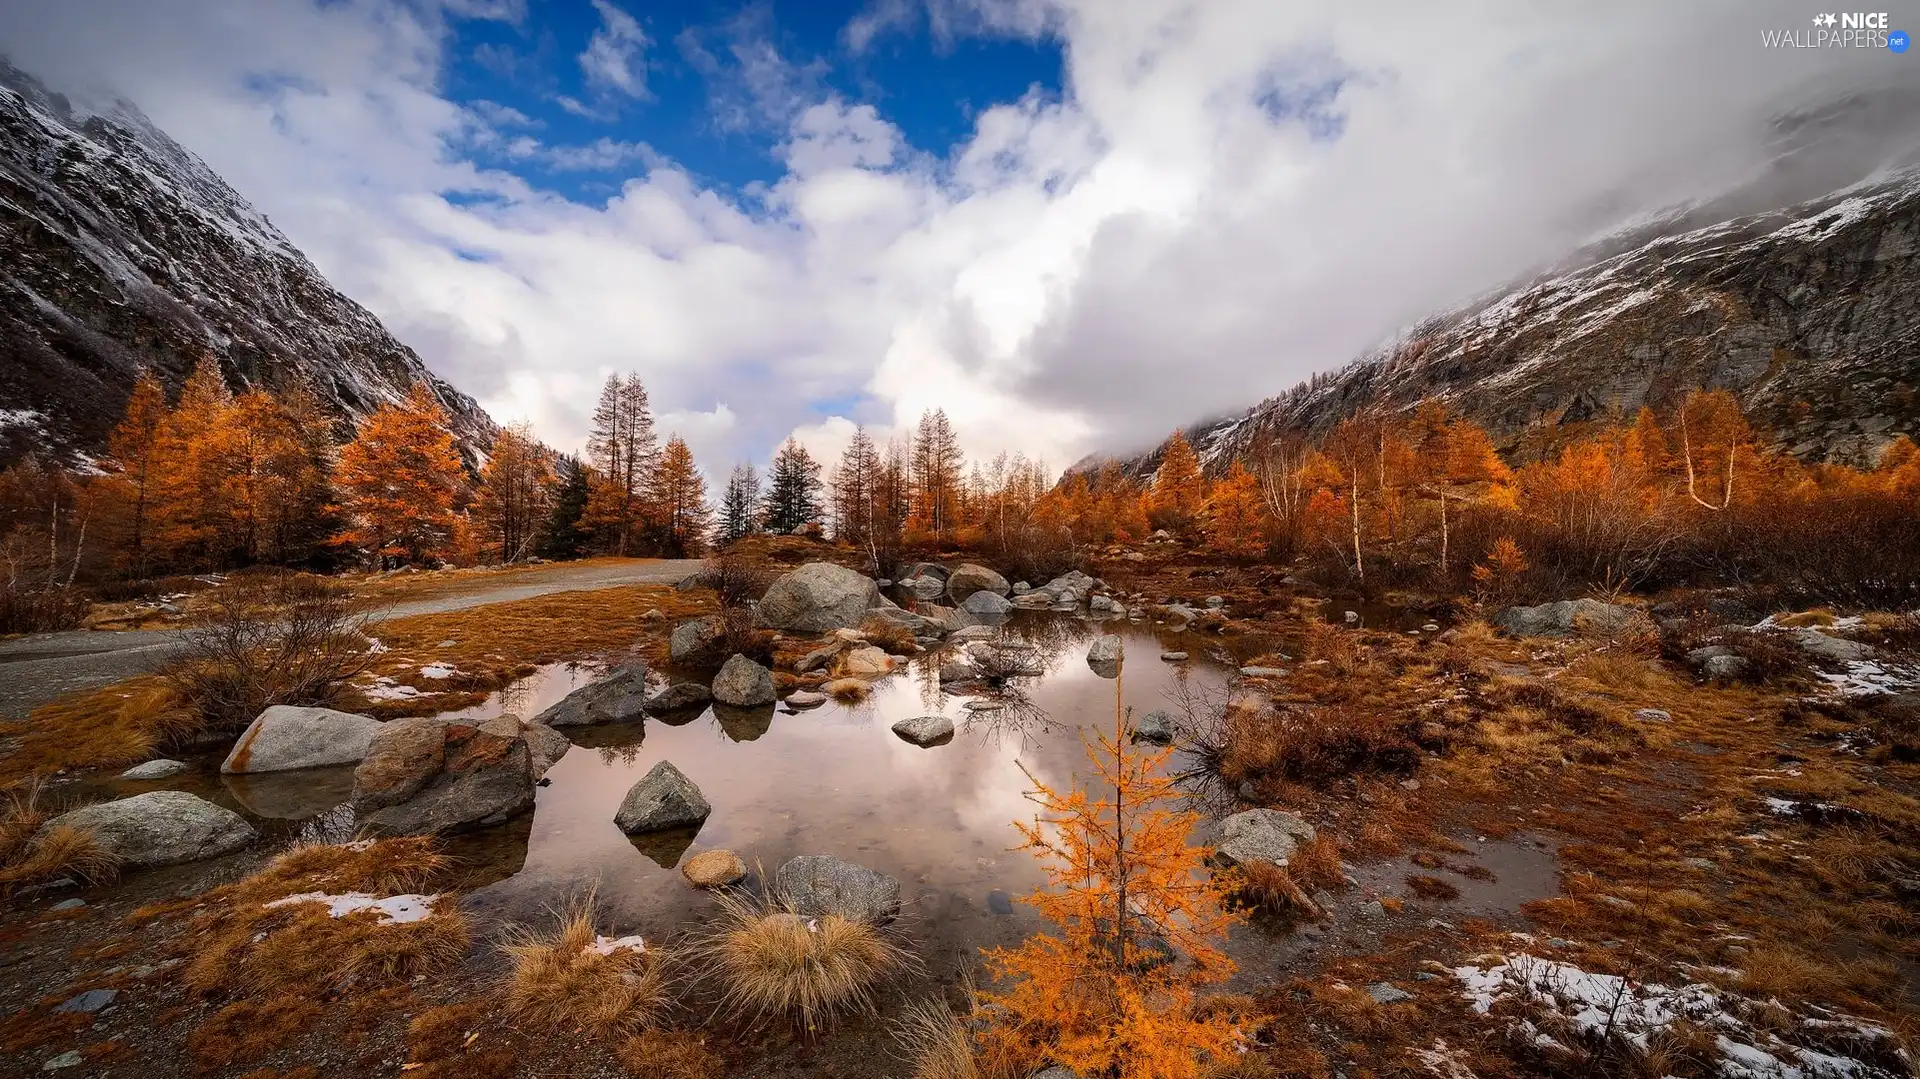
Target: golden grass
<point>933,1043</point>
<point>1287,889</point>
<point>30,856</point>
<point>848,690</point>
<point>247,1030</point>
<point>769,962</point>
<point>459,1041</point>
<point>560,982</point>
<point>669,1054</point>
<point>115,725</point>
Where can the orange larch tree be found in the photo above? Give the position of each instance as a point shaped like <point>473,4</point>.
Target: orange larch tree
<point>1236,515</point>
<point>677,509</point>
<point>189,518</point>
<point>401,477</point>
<point>1179,490</point>
<point>131,453</point>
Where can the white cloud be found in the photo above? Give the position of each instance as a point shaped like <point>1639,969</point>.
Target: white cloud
<point>1226,198</point>
<point>615,56</point>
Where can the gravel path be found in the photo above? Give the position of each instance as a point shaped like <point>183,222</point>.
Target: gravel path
<point>41,667</point>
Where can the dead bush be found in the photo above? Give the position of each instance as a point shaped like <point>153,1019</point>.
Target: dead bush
<point>1316,744</point>
<point>266,638</point>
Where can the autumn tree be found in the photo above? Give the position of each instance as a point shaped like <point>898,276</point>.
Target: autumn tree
<point>622,448</point>
<point>189,516</point>
<point>677,512</point>
<point>1454,464</point>
<point>45,514</point>
<point>401,476</point>
<point>740,505</point>
<point>565,534</point>
<point>937,467</point>
<point>131,461</point>
<point>1179,490</point>
<point>1124,887</point>
<point>1714,438</point>
<point>1236,517</point>
<point>855,490</point>
<point>515,493</point>
<point>793,489</point>
<point>271,485</point>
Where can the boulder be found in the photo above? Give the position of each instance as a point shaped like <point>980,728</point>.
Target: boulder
<point>159,828</point>
<point>818,597</point>
<point>1725,668</point>
<point>971,578</point>
<point>813,885</point>
<point>1829,649</point>
<point>1260,835</point>
<point>160,769</point>
<point>479,776</point>
<point>619,696</point>
<point>1156,727</point>
<point>1021,588</point>
<point>545,746</point>
<point>663,799</point>
<point>286,737</point>
<point>957,669</point>
<point>926,587</point>
<point>1180,613</point>
<point>865,661</point>
<point>987,605</point>
<point>925,731</point>
<point>696,639</point>
<point>1571,618</point>
<point>744,683</point>
<point>1103,655</point>
<point>678,696</point>
<point>714,869</point>
<point>884,618</point>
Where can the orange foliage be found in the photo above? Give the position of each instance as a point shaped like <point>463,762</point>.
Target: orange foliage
<point>1236,516</point>
<point>401,476</point>
<point>1179,490</point>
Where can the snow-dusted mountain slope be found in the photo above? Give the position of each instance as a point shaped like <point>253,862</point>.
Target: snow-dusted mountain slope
<point>119,248</point>
<point>1809,314</point>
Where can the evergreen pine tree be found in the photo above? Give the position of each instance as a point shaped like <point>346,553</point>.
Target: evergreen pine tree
<point>793,493</point>
<point>564,536</point>
<point>740,507</point>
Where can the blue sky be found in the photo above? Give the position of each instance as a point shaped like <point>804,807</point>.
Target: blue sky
<point>711,86</point>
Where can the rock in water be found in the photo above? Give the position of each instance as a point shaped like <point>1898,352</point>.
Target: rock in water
<point>619,696</point>
<point>817,598</point>
<point>714,869</point>
<point>927,587</point>
<point>405,756</point>
<point>925,731</point>
<point>805,698</point>
<point>988,605</point>
<point>1156,727</point>
<point>1569,618</point>
<point>285,737</point>
<point>696,639</point>
<point>812,885</point>
<point>865,661</point>
<point>1103,655</point>
<point>663,799</point>
<point>545,746</point>
<point>677,696</point>
<point>1260,835</point>
<point>160,769</point>
<point>1174,657</point>
<point>159,828</point>
<point>971,578</point>
<point>484,776</point>
<point>743,683</point>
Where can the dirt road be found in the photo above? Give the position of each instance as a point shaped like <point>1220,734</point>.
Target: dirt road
<point>41,667</point>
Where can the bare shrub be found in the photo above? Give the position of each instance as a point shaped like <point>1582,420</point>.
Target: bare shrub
<point>741,579</point>
<point>265,638</point>
<point>769,961</point>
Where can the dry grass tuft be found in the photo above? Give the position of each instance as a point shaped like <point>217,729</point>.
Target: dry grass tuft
<point>28,857</point>
<point>670,1054</point>
<point>848,690</point>
<point>1427,887</point>
<point>769,961</point>
<point>247,1030</point>
<point>120,724</point>
<point>933,1043</point>
<point>560,981</point>
<point>459,1041</point>
<point>1287,889</point>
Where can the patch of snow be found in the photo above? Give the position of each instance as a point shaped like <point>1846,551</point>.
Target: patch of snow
<point>609,945</point>
<point>438,670</point>
<point>1866,678</point>
<point>386,689</point>
<point>392,909</point>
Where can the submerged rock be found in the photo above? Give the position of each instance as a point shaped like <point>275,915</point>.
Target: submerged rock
<point>663,799</point>
<point>818,597</point>
<point>743,683</point>
<point>1260,835</point>
<point>1156,727</point>
<point>160,769</point>
<point>925,731</point>
<point>285,737</point>
<point>812,885</point>
<point>159,828</point>
<point>1174,657</point>
<point>805,698</point>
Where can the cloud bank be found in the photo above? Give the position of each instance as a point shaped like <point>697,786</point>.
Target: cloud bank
<point>1227,196</point>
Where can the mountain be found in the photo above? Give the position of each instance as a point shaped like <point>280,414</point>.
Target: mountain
<point>119,248</point>
<point>1809,314</point>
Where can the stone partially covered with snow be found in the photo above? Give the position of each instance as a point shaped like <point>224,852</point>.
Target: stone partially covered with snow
<point>1571,618</point>
<point>817,598</point>
<point>387,909</point>
<point>925,731</point>
<point>663,799</point>
<point>159,828</point>
<point>285,737</point>
<point>813,885</point>
<point>744,683</point>
<point>970,578</point>
<point>1260,835</point>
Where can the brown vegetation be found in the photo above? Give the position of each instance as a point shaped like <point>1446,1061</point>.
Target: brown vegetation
<point>768,961</point>
<point>31,854</point>
<point>570,978</point>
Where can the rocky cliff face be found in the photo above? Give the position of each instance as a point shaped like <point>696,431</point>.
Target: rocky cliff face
<point>1810,315</point>
<point>118,248</point>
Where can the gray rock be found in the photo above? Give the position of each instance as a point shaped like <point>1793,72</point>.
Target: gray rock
<point>1571,617</point>
<point>619,696</point>
<point>1103,655</point>
<point>805,698</point>
<point>1260,835</point>
<point>677,696</point>
<point>974,632</point>
<point>160,769</point>
<point>812,885</point>
<point>928,588</point>
<point>1698,657</point>
<point>1100,605</point>
<point>1156,727</point>
<point>1174,657</point>
<point>89,1002</point>
<point>285,737</point>
<point>663,799</point>
<point>480,776</point>
<point>985,604</point>
<point>1214,603</point>
<point>1263,672</point>
<point>69,1059</point>
<point>1021,588</point>
<point>1180,612</point>
<point>743,683</point>
<point>1726,668</point>
<point>1387,993</point>
<point>1037,600</point>
<point>696,639</point>
<point>972,577</point>
<point>545,747</point>
<point>1351,618</point>
<point>957,669</point>
<point>159,828</point>
<point>1653,715</point>
<point>1829,649</point>
<point>1058,1071</point>
<point>925,730</point>
<point>817,598</point>
<point>75,903</point>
